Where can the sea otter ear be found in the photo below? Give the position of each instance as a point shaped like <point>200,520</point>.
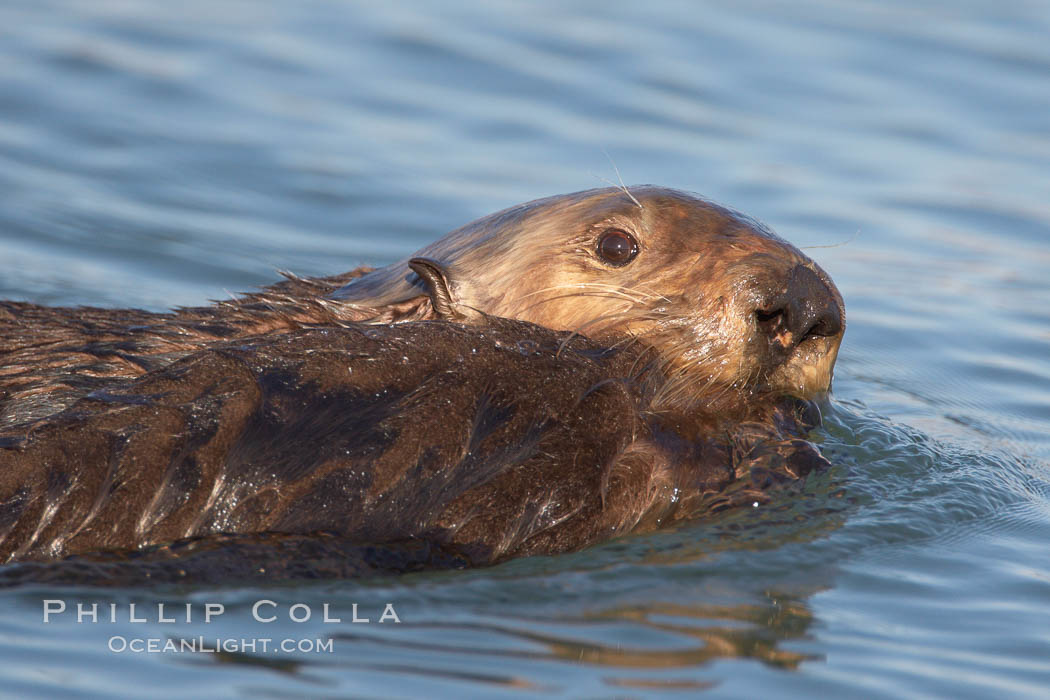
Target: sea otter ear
<point>435,276</point>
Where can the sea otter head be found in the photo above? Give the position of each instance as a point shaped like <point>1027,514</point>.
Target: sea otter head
<point>720,301</point>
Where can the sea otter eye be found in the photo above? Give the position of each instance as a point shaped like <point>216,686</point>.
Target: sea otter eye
<point>617,247</point>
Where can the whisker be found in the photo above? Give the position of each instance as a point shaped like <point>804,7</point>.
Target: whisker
<point>579,330</point>
<point>639,297</point>
<point>618,177</point>
<point>849,240</point>
<point>567,296</point>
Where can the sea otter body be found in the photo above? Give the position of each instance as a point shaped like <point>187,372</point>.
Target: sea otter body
<point>548,377</point>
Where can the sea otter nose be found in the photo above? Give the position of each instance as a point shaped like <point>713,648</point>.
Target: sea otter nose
<point>806,308</point>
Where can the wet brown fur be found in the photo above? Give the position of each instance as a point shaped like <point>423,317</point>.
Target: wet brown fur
<point>510,440</point>
<point>51,356</point>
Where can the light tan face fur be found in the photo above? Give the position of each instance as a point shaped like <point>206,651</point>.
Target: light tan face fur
<point>691,292</point>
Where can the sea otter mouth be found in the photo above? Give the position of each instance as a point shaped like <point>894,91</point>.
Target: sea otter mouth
<point>808,371</point>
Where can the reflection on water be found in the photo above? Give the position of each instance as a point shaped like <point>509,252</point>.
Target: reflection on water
<point>161,154</point>
<point>680,639</point>
<point>684,636</point>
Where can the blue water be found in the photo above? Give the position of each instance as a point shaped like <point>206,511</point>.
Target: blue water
<point>158,154</point>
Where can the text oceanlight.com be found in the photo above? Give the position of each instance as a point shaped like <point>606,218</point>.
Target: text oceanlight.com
<point>201,645</point>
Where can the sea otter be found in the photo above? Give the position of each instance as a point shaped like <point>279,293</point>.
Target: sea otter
<point>552,375</point>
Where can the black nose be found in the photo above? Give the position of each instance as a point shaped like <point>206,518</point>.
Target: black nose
<point>806,308</point>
